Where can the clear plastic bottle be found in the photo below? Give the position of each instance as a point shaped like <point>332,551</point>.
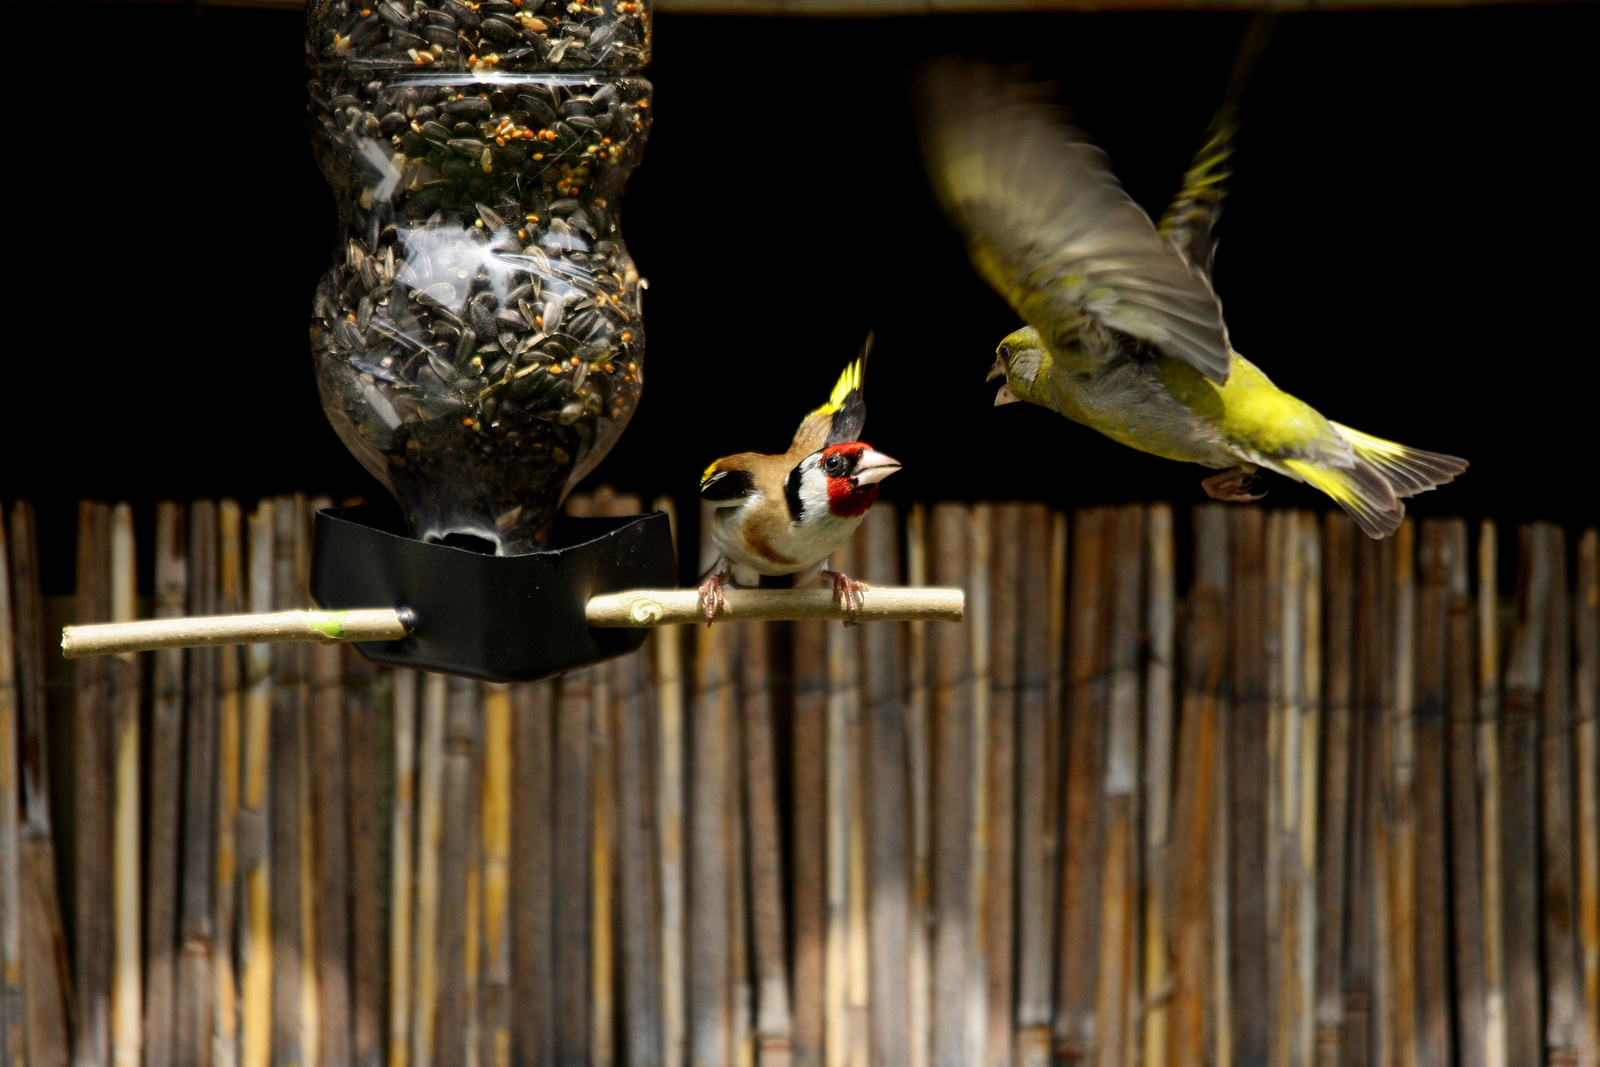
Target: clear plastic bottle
<point>478,339</point>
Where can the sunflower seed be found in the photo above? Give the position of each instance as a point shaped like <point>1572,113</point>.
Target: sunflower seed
<point>467,109</point>
<point>554,307</point>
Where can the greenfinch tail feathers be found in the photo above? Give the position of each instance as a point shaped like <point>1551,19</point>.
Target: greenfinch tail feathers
<point>1409,470</point>
<point>1384,473</point>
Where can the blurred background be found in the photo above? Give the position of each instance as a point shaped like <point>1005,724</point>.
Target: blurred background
<point>1405,247</point>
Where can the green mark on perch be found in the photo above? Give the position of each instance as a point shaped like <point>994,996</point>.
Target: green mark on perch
<point>646,612</point>
<point>328,623</point>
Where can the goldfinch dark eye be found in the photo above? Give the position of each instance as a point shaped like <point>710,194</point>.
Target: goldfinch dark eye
<point>1005,352</point>
<point>833,465</point>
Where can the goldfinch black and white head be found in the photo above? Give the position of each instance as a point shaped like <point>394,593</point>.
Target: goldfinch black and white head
<point>787,513</point>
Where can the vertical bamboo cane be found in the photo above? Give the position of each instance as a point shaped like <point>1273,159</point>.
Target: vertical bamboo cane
<point>919,756</point>
<point>472,910</point>
<point>1384,664</point>
<point>1434,1045</point>
<point>709,945</point>
<point>370,743</point>
<point>193,1007</point>
<point>980,612</point>
<point>601,846</point>
<point>1289,892</point>
<point>126,994</point>
<point>774,1043</point>
<point>1083,830</point>
<point>1277,552</point>
<point>952,773</point>
<point>1117,987</point>
<point>166,780</point>
<point>670,794</point>
<point>710,892</point>
<point>1276,601</point>
<point>231,600</point>
<point>1524,678</point>
<point>627,852</point>
<point>571,892</point>
<point>46,985</point>
<point>639,886</point>
<point>496,806</point>
<point>1560,955</point>
<point>92,914</point>
<point>736,847</point>
<point>532,878</point>
<point>1336,788</point>
<point>1221,1004</point>
<point>1586,741</point>
<point>1038,706</point>
<point>430,829</point>
<point>310,989</point>
<point>808,841</point>
<point>1159,740</point>
<point>1310,757</point>
<point>1491,791</point>
<point>402,869</point>
<point>1055,748</point>
<point>858,988</point>
<point>1195,942</point>
<point>889,829</point>
<point>1246,731</point>
<point>844,710</point>
<point>460,803</point>
<point>999,784</point>
<point>255,933</point>
<point>12,1046</point>
<point>1465,824</point>
<point>292,1040</point>
<point>329,762</point>
<point>1400,823</point>
<point>602,868</point>
<point>1358,1042</point>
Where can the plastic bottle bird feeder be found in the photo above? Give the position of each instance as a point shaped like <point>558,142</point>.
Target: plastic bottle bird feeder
<point>478,339</point>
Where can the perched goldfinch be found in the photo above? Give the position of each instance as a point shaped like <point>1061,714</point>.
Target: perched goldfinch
<point>1124,333</point>
<point>787,514</point>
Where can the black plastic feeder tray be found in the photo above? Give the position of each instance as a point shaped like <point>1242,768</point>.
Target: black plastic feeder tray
<point>499,618</point>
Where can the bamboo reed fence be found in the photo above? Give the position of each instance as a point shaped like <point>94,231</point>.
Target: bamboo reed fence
<point>1239,786</point>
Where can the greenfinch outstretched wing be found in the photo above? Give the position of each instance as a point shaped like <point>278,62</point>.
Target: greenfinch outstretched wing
<point>1048,226</point>
<point>1192,215</point>
<point>1191,219</point>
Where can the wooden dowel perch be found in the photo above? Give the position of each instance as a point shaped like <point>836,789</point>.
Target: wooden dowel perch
<point>367,624</point>
<point>639,607</point>
<point>664,607</point>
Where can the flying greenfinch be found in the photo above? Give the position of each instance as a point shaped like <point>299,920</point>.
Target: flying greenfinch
<point>1123,332</point>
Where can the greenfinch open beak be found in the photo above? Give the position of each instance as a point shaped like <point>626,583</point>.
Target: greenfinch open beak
<point>998,370</point>
<point>1005,396</point>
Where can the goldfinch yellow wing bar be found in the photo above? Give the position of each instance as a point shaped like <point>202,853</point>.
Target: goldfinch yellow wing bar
<point>638,607</point>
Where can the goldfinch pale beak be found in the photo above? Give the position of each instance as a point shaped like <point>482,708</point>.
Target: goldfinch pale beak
<point>1005,396</point>
<point>998,370</point>
<point>874,467</point>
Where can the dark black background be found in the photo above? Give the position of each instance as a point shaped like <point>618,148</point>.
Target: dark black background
<point>1409,246</point>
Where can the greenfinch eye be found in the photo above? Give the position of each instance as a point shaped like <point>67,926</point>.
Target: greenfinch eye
<point>1005,352</point>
